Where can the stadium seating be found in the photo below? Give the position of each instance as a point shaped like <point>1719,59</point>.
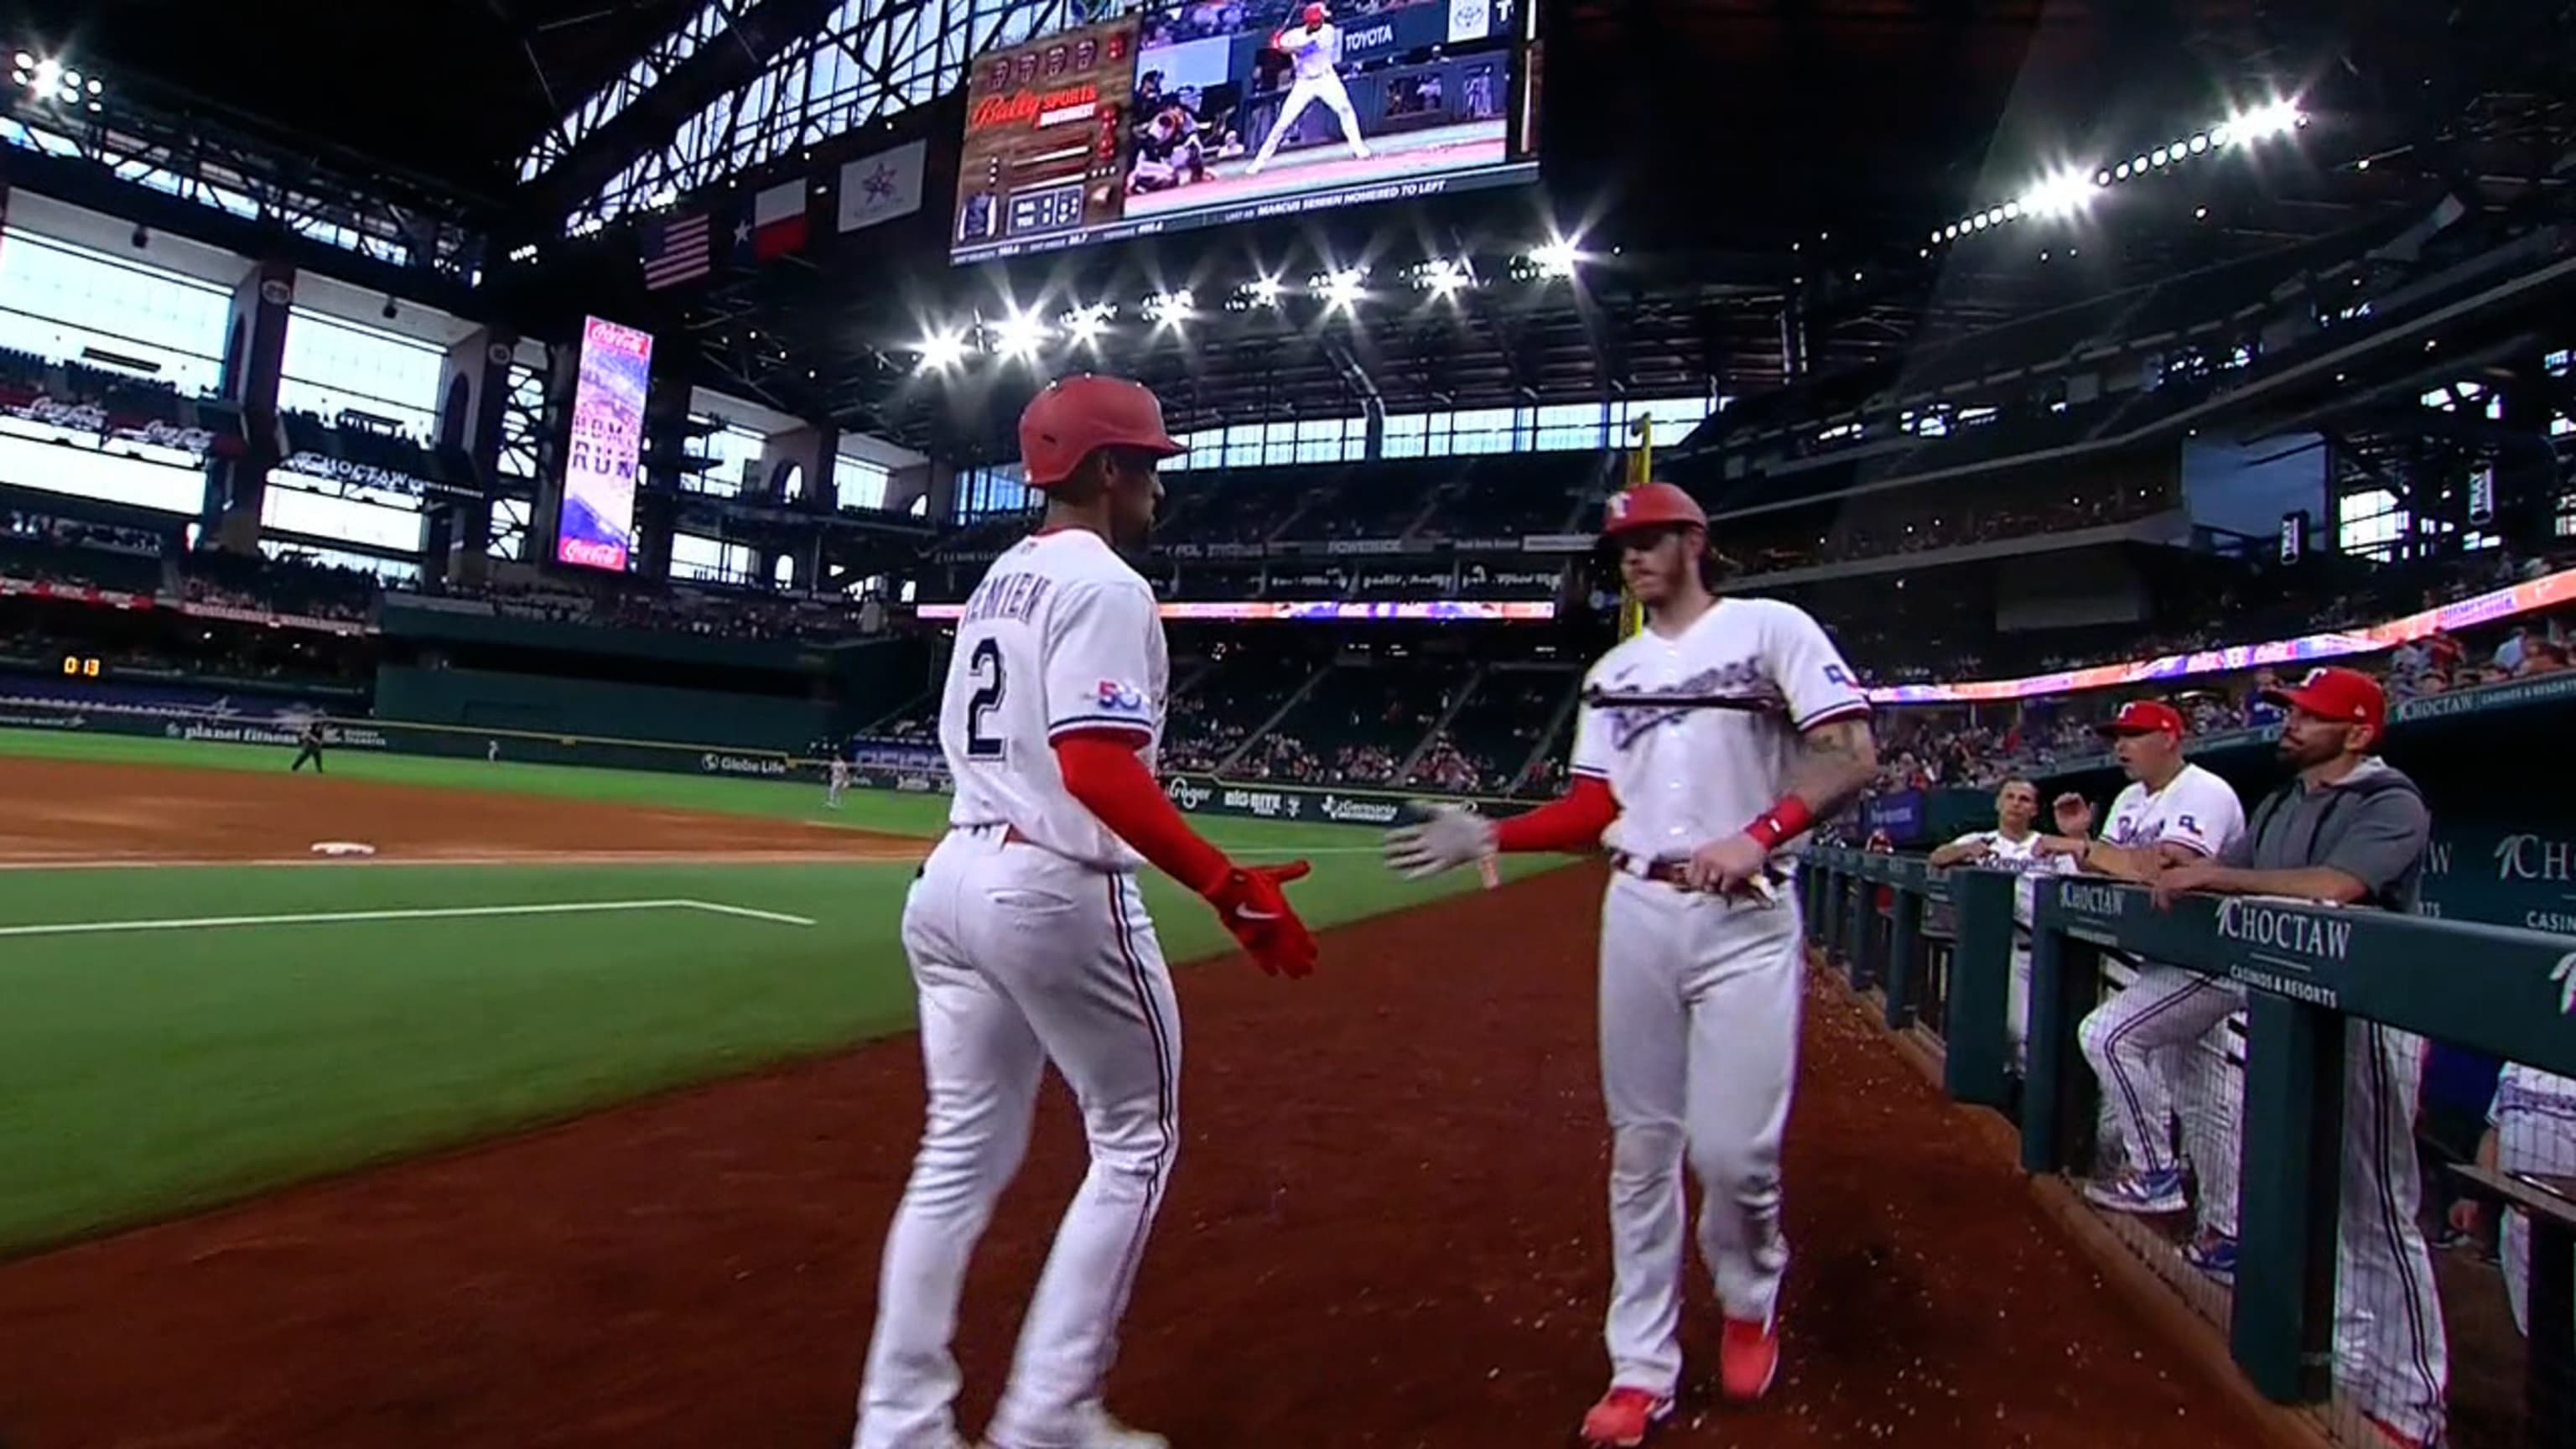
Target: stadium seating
<point>1496,730</point>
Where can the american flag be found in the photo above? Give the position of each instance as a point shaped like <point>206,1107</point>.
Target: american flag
<point>675,250</point>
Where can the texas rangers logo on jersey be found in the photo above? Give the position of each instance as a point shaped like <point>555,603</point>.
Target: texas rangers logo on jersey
<point>1120,698</point>
<point>1630,723</point>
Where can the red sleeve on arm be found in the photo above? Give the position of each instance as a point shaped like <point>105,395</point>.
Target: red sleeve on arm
<point>1101,771</point>
<point>1574,822</point>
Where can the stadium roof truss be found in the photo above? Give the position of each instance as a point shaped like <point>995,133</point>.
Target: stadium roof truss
<point>745,82</point>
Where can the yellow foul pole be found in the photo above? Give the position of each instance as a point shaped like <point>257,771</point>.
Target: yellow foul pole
<point>1641,468</point>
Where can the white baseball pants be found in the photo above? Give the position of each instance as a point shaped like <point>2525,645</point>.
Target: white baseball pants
<point>2391,1355</point>
<point>2161,1045</point>
<point>1303,93</point>
<point>1700,1001</point>
<point>1023,958</point>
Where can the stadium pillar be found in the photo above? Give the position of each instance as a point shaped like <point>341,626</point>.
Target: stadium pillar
<point>810,451</point>
<point>254,358</point>
<point>1793,338</point>
<point>934,481</point>
<point>474,398</point>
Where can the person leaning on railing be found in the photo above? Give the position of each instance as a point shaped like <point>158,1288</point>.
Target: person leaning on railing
<point>2351,830</point>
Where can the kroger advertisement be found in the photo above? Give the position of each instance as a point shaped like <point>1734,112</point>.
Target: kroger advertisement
<point>1208,112</point>
<point>596,526</point>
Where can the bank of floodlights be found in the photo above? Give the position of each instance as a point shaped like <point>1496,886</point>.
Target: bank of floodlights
<point>1083,325</point>
<point>2070,192</point>
<point>1260,292</point>
<point>940,349</point>
<point>47,81</point>
<point>1442,277</point>
<point>1171,309</point>
<point>1341,288</point>
<point>1554,260</point>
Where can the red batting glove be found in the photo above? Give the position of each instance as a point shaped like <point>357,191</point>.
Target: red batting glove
<point>1257,914</point>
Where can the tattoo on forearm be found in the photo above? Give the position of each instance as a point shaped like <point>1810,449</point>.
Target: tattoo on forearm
<point>1836,760</point>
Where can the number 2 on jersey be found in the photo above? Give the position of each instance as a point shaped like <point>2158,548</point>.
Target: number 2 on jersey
<point>986,665</point>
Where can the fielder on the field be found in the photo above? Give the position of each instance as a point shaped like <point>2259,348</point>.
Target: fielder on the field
<point>839,777</point>
<point>2349,829</point>
<point>309,742</point>
<point>2161,1047</point>
<point>1313,50</point>
<point>1030,944</point>
<point>1701,957</point>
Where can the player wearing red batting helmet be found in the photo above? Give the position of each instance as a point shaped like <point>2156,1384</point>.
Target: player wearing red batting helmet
<point>1086,435</point>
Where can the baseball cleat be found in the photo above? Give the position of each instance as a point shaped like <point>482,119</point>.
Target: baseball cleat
<point>1748,1359</point>
<point>1624,1417</point>
<point>2144,1193</point>
<point>2213,1254</point>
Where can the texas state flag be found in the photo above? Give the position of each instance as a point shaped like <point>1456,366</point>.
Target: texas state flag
<point>778,220</point>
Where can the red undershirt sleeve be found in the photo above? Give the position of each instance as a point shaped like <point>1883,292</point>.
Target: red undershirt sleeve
<point>1102,771</point>
<point>1570,823</point>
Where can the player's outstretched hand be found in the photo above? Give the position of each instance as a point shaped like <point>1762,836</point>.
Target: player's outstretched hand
<point>1441,837</point>
<point>1257,914</point>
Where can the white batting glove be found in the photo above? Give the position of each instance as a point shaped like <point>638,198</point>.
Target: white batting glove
<point>1445,838</point>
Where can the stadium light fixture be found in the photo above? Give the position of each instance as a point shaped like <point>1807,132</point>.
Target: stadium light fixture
<point>2061,194</point>
<point>1342,288</point>
<point>1558,258</point>
<point>1259,292</point>
<point>1442,277</point>
<point>1085,324</point>
<point>1171,309</point>
<point>1019,335</point>
<point>940,349</point>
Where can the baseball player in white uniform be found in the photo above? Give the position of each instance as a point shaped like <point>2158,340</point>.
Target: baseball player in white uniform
<point>1701,968</point>
<point>2531,1130</point>
<point>1030,944</point>
<point>2161,1044</point>
<point>2013,845</point>
<point>1313,50</point>
<point>839,773</point>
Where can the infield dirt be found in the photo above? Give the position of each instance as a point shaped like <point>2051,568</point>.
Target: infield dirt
<point>1386,1230</point>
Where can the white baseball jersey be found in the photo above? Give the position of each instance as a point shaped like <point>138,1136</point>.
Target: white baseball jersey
<point>1312,50</point>
<point>2023,859</point>
<point>1061,635</point>
<point>2195,809</point>
<point>1684,777</point>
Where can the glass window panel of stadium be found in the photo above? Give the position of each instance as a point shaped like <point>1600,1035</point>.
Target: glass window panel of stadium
<point>60,302</point>
<point>334,367</point>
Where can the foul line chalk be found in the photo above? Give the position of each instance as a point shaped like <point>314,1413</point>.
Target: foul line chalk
<point>431,913</point>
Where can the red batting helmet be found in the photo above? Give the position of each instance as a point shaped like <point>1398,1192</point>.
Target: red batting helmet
<point>1075,416</point>
<point>1314,14</point>
<point>1650,505</point>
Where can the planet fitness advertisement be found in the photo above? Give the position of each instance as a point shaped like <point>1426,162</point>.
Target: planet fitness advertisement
<point>596,527</point>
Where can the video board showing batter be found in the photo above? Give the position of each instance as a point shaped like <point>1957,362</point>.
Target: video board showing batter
<point>1207,112</point>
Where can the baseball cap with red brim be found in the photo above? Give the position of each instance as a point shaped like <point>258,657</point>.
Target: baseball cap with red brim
<point>2144,717</point>
<point>2345,696</point>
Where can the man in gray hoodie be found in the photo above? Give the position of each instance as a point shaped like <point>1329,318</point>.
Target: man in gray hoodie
<point>2350,830</point>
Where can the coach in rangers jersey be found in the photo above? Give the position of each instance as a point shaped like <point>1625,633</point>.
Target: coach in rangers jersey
<point>2351,830</point>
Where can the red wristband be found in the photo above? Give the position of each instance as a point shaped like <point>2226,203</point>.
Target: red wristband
<point>1787,819</point>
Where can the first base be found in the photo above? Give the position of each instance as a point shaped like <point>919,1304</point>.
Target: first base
<point>342,847</point>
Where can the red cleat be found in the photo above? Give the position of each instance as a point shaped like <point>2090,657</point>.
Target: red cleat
<point>1748,1358</point>
<point>1624,1417</point>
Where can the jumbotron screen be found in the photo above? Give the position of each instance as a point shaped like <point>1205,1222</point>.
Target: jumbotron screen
<point>1205,112</point>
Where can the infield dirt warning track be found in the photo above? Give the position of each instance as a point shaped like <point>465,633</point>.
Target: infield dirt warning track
<point>81,813</point>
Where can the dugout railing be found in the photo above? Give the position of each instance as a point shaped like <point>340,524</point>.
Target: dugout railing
<point>1932,950</point>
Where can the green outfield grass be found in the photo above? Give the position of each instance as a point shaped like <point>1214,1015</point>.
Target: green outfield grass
<point>145,1073</point>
